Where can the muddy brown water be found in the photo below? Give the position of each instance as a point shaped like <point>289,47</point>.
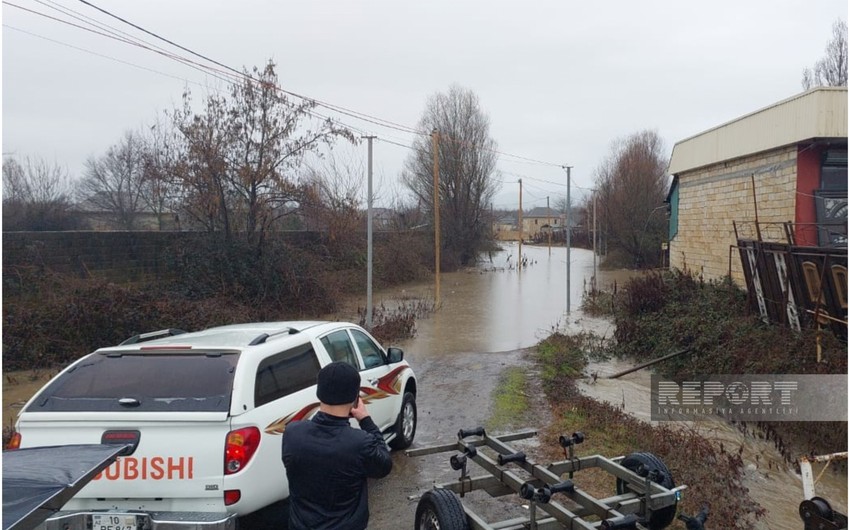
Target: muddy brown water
<point>505,310</point>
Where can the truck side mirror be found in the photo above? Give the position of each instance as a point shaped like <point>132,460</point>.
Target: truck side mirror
<point>395,355</point>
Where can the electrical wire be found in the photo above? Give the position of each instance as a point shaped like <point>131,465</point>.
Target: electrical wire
<point>233,72</point>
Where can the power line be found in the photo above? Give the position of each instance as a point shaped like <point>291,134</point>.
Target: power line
<point>232,73</point>
<point>329,106</point>
<point>100,55</point>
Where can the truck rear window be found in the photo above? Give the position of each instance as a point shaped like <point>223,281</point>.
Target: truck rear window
<point>143,383</point>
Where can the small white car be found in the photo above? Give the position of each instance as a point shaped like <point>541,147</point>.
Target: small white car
<point>202,414</point>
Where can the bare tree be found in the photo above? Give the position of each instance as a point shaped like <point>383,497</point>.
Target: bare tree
<point>467,161</point>
<point>37,196</point>
<point>631,183</point>
<point>335,188</point>
<point>113,184</point>
<point>831,70</point>
<point>240,155</point>
<point>160,157</point>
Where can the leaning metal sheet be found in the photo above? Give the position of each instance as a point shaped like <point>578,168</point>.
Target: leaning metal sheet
<point>38,481</point>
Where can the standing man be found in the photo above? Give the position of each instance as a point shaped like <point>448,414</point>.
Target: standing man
<point>327,461</point>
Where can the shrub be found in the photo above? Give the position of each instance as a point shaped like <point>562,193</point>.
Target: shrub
<point>691,458</point>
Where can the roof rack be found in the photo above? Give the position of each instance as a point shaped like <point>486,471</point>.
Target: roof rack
<point>262,337</point>
<point>153,335</point>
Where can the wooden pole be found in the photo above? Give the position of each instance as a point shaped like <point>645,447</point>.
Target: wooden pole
<point>435,143</point>
<point>648,363</point>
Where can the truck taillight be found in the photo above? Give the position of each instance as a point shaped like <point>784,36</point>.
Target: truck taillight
<point>240,446</point>
<point>231,497</point>
<point>15,441</point>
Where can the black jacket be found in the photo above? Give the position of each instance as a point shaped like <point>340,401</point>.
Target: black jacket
<point>327,463</point>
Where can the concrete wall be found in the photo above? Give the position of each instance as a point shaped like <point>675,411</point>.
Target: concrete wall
<point>712,197</point>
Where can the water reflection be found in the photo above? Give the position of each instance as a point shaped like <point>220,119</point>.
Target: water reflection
<point>497,307</point>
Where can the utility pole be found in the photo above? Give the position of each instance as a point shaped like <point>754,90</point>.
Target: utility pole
<point>435,145</point>
<point>549,223</point>
<point>569,207</point>
<point>594,240</point>
<point>369,240</point>
<point>519,258</point>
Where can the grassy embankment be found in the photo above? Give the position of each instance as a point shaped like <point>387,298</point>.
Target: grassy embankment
<point>658,314</point>
<point>661,313</point>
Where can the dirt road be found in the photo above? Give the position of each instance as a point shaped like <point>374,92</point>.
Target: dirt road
<point>455,393</point>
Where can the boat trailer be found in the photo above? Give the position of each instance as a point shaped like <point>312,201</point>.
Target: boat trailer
<point>816,512</point>
<point>646,497</point>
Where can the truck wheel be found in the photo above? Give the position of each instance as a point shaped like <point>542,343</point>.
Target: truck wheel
<point>440,509</point>
<point>405,424</point>
<point>642,464</point>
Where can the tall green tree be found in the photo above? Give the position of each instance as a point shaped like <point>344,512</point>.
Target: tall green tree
<point>467,160</point>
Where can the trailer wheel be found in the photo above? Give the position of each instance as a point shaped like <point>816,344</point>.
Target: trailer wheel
<point>642,464</point>
<point>440,509</point>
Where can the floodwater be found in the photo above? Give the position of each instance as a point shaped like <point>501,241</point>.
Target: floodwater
<point>771,482</point>
<point>496,307</point>
<point>487,317</point>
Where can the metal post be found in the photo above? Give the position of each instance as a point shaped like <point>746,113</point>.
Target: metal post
<point>369,240</point>
<point>549,223</point>
<point>569,207</point>
<point>519,258</point>
<point>435,142</point>
<point>594,241</point>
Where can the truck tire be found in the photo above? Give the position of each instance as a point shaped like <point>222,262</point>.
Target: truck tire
<point>440,509</point>
<point>405,424</point>
<point>642,464</point>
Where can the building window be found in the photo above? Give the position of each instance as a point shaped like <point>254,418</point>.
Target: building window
<point>831,199</point>
<point>833,175</point>
<point>673,200</point>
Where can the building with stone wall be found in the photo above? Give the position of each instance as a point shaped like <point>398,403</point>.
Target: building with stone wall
<point>785,165</point>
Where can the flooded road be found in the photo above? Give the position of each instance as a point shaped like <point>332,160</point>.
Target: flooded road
<point>502,310</point>
<point>496,309</point>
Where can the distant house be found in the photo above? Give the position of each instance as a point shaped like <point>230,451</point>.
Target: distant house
<point>785,165</point>
<point>535,223</point>
<point>540,221</point>
<point>98,217</point>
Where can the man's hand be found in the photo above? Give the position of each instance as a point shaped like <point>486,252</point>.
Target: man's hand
<point>359,411</point>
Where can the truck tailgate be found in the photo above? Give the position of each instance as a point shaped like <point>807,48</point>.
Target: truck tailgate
<point>178,458</point>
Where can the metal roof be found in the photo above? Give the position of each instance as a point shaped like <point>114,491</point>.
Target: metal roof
<point>817,113</point>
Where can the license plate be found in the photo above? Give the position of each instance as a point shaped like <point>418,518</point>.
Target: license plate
<point>112,521</point>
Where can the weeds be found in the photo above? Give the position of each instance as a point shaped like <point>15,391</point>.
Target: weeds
<point>713,474</point>
<point>52,319</point>
<point>396,323</point>
<point>665,312</point>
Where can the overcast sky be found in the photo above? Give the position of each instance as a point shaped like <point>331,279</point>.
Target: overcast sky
<point>560,80</point>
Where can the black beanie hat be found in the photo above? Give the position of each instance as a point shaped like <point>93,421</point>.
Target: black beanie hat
<point>338,384</point>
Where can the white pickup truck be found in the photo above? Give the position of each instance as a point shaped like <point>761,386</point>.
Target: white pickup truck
<point>202,416</point>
